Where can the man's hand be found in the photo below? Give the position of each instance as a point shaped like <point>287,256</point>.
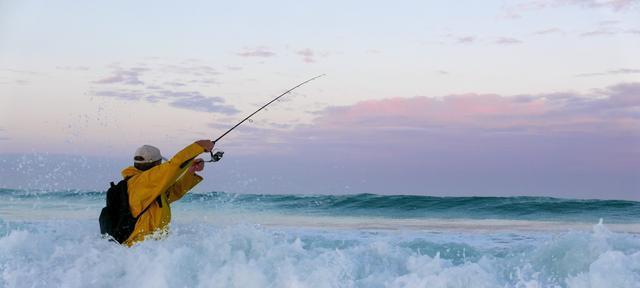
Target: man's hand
<point>207,145</point>
<point>196,166</point>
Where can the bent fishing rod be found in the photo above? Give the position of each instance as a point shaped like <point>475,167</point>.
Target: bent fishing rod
<point>218,155</point>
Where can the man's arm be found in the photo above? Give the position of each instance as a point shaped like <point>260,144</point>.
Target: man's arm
<point>185,183</point>
<point>148,185</point>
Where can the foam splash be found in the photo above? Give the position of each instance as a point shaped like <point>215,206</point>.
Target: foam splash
<point>69,253</point>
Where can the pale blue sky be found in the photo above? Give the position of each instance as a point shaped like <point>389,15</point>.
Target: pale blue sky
<point>96,78</point>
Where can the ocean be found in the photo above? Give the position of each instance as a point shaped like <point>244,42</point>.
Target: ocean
<point>51,239</point>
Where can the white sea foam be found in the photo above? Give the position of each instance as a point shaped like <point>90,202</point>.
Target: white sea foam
<point>68,253</point>
<point>51,241</point>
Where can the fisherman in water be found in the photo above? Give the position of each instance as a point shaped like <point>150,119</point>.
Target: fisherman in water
<point>150,186</point>
<point>138,206</point>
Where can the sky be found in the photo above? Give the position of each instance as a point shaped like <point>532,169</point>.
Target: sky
<point>441,98</point>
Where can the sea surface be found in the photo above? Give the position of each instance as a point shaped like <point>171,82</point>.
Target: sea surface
<point>51,239</point>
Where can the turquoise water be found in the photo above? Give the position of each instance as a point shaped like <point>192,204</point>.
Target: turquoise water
<point>369,205</point>
<point>50,239</point>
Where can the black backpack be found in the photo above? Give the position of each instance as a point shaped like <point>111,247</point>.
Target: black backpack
<point>116,219</point>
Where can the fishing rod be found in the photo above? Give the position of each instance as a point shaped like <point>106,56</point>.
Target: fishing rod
<point>218,155</point>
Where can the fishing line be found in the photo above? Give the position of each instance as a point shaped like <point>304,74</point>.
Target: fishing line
<point>218,155</point>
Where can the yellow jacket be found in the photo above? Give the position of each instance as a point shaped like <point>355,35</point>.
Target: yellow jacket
<point>167,180</point>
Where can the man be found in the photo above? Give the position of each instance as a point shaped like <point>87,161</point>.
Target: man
<point>156,185</point>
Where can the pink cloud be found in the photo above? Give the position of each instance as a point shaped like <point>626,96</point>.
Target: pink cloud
<point>605,114</point>
<point>307,55</point>
<point>548,31</point>
<point>466,40</point>
<point>456,110</point>
<point>561,144</point>
<point>311,56</point>
<point>507,41</point>
<point>262,52</point>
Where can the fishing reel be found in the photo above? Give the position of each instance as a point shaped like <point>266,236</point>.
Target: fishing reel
<point>215,157</point>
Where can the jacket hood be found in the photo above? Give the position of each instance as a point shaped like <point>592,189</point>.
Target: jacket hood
<point>130,172</point>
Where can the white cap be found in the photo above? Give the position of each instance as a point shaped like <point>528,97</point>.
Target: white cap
<point>147,154</point>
